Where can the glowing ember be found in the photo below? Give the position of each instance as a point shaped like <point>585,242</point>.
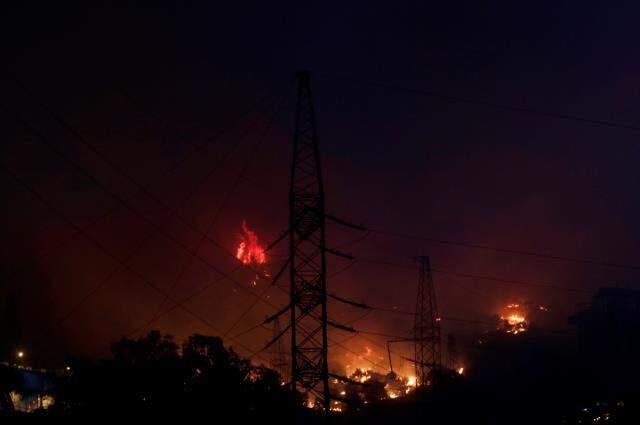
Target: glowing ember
<point>362,375</point>
<point>249,251</point>
<point>392,395</point>
<point>515,319</point>
<point>398,386</point>
<point>460,371</point>
<point>411,381</point>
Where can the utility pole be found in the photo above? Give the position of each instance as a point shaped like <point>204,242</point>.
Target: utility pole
<point>278,360</point>
<point>427,325</point>
<point>308,296</point>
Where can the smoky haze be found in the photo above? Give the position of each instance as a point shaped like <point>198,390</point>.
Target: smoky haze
<point>144,85</point>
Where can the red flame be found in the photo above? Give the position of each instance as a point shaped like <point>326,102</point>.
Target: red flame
<point>250,251</point>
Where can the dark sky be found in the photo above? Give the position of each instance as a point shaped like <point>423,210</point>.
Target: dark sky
<point>142,84</point>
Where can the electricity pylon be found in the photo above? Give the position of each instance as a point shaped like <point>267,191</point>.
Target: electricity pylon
<point>427,325</point>
<point>309,367</point>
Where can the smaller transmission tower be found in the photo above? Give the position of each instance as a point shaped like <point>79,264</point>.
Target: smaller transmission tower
<point>427,325</point>
<point>278,359</point>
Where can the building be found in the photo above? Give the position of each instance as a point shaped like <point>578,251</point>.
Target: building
<point>30,390</point>
<point>609,337</point>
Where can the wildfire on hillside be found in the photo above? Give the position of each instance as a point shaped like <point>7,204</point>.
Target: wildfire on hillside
<point>367,386</point>
<point>513,319</point>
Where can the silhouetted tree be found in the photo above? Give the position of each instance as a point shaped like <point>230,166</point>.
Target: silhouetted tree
<point>151,375</point>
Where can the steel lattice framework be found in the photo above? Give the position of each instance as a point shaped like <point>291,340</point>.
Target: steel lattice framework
<point>309,367</point>
<point>427,325</point>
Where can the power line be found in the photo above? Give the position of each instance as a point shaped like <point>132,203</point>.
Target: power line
<point>344,269</point>
<point>490,105</point>
<point>107,252</point>
<point>375,343</point>
<point>355,241</point>
<point>457,320</point>
<point>475,276</point>
<point>189,261</point>
<point>175,165</point>
<point>333,343</point>
<point>133,181</point>
<point>341,343</point>
<point>130,256</point>
<point>119,199</point>
<point>205,234</point>
<point>124,174</point>
<point>360,334</point>
<point>467,275</point>
<point>178,304</point>
<point>510,251</point>
<point>260,296</point>
<point>250,329</point>
<point>77,306</point>
<point>342,346</point>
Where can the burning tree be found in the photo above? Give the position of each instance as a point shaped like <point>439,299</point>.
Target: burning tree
<point>249,251</point>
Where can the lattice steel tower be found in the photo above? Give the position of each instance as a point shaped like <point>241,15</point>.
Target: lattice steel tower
<point>427,325</point>
<point>309,368</point>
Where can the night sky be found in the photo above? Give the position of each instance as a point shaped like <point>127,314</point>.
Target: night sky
<point>144,84</point>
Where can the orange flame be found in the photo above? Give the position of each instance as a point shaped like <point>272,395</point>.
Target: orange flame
<point>249,250</point>
<point>515,320</point>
